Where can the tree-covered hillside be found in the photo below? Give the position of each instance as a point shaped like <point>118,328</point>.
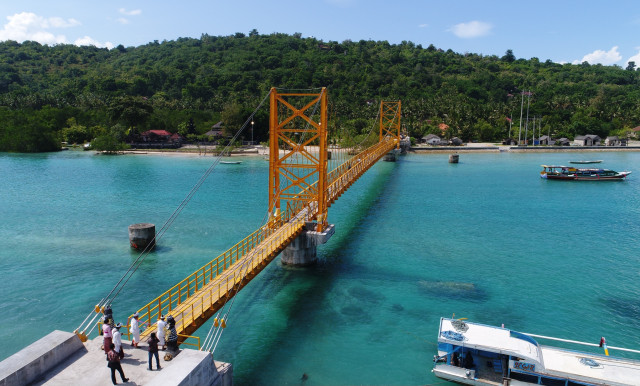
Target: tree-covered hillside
<point>64,92</point>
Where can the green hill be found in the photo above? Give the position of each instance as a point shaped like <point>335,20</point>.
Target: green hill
<point>63,92</point>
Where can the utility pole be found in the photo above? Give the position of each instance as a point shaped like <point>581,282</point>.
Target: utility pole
<point>526,125</point>
<point>533,132</point>
<point>520,130</point>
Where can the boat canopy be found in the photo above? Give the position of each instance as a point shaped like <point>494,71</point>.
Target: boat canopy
<point>490,338</point>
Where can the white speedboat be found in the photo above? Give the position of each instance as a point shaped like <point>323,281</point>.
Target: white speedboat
<point>477,354</point>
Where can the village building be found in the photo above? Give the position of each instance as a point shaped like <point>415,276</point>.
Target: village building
<point>587,140</point>
<point>176,138</point>
<point>431,139</point>
<point>156,136</point>
<point>455,141</point>
<point>215,132</point>
<point>613,140</point>
<point>544,140</point>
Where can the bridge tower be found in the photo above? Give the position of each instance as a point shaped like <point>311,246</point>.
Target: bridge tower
<point>298,169</point>
<point>390,114</point>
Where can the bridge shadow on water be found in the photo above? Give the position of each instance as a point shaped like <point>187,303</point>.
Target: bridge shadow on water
<point>297,297</point>
<point>289,307</point>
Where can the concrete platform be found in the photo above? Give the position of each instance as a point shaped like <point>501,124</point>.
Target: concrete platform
<point>86,364</point>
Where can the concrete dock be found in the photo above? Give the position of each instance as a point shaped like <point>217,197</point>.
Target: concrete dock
<point>60,358</point>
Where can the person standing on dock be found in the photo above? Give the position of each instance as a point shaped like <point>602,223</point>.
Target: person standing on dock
<point>114,364</point>
<point>153,350</point>
<point>135,329</point>
<point>172,342</point>
<point>160,327</point>
<point>106,334</point>
<point>117,340</point>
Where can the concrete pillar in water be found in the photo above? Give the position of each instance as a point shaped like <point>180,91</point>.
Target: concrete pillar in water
<point>141,235</point>
<point>303,251</point>
<point>453,158</point>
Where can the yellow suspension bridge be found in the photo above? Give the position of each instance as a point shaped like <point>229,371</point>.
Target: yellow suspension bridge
<point>303,183</point>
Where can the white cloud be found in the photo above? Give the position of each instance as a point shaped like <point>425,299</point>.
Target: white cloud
<point>423,25</point>
<point>29,26</point>
<point>122,20</point>
<point>472,29</point>
<point>58,22</point>
<point>88,41</point>
<point>603,57</point>
<point>133,12</point>
<point>635,58</point>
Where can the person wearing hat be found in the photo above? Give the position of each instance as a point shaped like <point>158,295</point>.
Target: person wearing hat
<point>106,334</point>
<point>161,324</point>
<point>135,329</point>
<point>117,340</point>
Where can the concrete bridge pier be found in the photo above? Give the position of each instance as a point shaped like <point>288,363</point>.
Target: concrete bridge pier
<point>303,251</point>
<point>392,156</point>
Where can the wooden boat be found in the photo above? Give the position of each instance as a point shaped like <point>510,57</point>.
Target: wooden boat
<point>553,172</point>
<point>586,162</point>
<point>477,354</point>
<point>231,162</point>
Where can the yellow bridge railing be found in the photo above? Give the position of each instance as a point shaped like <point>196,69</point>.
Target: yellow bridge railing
<point>342,177</point>
<point>196,298</point>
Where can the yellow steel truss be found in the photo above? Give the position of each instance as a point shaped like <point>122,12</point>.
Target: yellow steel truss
<point>198,297</point>
<point>298,153</point>
<point>390,113</point>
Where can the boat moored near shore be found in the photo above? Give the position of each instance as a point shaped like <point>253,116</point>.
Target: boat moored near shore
<point>559,172</point>
<point>477,354</point>
<point>586,162</point>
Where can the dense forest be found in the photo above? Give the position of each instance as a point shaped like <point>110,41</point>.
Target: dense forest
<point>50,94</point>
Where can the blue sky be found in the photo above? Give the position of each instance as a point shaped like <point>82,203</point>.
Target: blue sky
<point>606,32</point>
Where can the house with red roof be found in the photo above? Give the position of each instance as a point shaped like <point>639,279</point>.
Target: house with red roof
<point>156,136</point>
<point>176,138</point>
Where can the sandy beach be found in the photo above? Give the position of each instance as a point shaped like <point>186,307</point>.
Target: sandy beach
<point>472,147</point>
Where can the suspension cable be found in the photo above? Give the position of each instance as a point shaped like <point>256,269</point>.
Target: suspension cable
<point>214,339</point>
<point>108,300</point>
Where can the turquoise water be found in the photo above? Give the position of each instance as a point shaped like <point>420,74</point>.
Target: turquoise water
<point>486,239</point>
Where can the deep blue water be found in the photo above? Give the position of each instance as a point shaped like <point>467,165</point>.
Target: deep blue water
<point>485,239</point>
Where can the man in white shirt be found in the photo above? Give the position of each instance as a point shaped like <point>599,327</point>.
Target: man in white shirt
<point>117,340</point>
<point>161,325</point>
<point>135,330</point>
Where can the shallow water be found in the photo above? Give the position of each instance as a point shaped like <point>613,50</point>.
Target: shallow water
<point>415,240</point>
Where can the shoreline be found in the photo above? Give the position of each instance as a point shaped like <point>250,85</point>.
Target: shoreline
<point>474,148</point>
<point>521,149</point>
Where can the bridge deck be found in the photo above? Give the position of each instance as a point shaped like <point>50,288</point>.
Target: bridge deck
<point>198,297</point>
<point>195,300</point>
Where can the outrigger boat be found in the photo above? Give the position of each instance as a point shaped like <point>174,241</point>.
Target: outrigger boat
<point>231,162</point>
<point>586,162</point>
<point>553,172</point>
<point>477,354</point>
